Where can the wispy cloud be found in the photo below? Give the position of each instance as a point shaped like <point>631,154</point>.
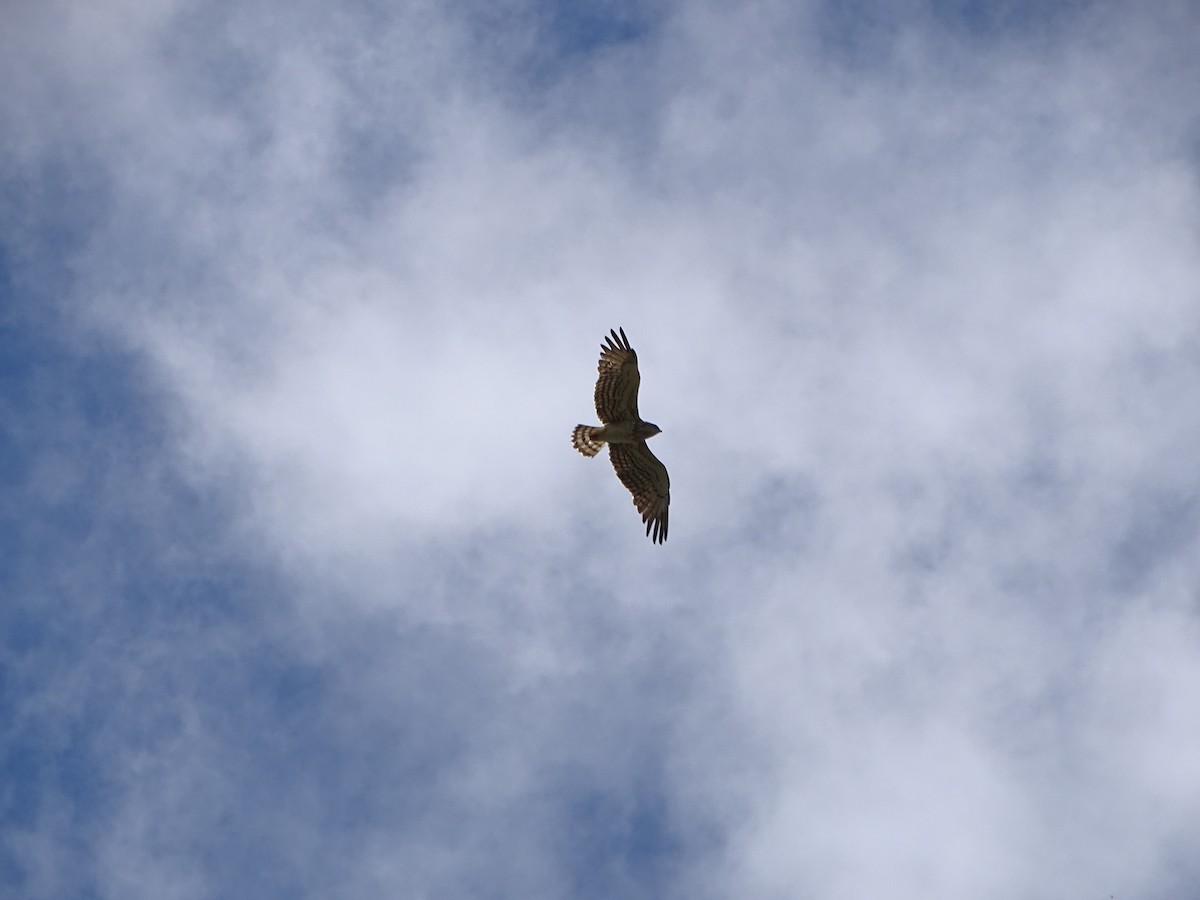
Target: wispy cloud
<point>312,597</point>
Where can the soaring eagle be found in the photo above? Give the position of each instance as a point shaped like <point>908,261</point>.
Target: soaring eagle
<point>626,434</point>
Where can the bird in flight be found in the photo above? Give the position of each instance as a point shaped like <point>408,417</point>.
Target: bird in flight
<point>626,433</point>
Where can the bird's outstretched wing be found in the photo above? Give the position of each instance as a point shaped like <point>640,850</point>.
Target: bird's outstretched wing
<point>646,478</point>
<point>617,386</point>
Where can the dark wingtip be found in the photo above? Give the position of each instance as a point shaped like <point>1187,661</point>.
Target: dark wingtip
<point>616,341</point>
<point>660,529</point>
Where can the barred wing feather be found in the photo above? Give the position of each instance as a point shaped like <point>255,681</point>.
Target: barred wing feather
<point>617,386</point>
<point>646,478</point>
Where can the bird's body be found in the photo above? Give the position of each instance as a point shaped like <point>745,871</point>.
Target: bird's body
<point>588,439</point>
<point>626,433</point>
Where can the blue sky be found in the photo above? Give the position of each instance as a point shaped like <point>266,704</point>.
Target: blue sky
<point>307,595</point>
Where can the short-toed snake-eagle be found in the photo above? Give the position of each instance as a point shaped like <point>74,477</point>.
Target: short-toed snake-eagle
<point>626,433</point>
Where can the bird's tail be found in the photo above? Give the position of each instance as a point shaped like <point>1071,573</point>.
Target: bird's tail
<point>584,439</point>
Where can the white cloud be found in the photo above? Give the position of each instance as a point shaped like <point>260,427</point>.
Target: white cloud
<point>920,331</point>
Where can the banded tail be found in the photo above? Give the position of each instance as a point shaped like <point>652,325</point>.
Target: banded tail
<point>584,440</point>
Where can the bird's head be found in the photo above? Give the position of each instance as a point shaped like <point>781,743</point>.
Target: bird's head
<point>646,430</point>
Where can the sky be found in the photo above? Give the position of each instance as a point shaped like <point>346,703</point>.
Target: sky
<point>307,595</point>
